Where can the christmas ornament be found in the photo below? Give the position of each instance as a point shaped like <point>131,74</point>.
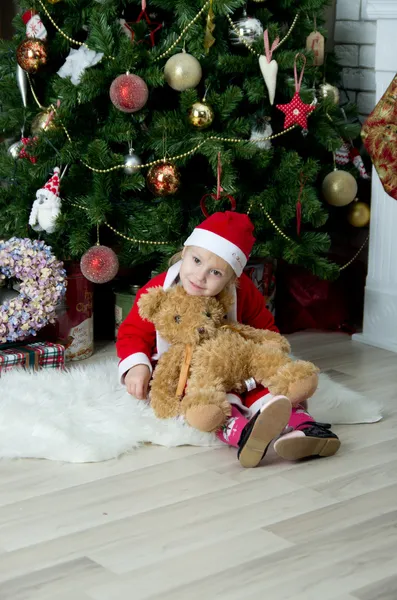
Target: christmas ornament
<point>219,191</point>
<point>25,151</point>
<point>359,214</point>
<point>163,179</point>
<point>131,162</point>
<point>182,72</point>
<point>379,135</point>
<point>43,121</point>
<point>47,206</point>
<point>269,66</point>
<point>129,93</point>
<point>339,188</point>
<point>257,135</point>
<point>99,264</point>
<point>31,55</point>
<point>77,62</point>
<point>209,39</point>
<point>15,149</point>
<point>22,82</point>
<point>53,1</point>
<point>34,25</point>
<point>346,153</point>
<point>315,44</point>
<point>327,90</point>
<point>249,30</point>
<point>296,111</point>
<point>154,27</point>
<point>201,115</point>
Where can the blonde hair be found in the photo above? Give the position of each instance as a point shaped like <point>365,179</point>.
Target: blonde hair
<point>179,255</point>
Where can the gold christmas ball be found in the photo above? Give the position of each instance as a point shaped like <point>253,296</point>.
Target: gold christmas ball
<point>53,1</point>
<point>201,115</point>
<point>327,90</point>
<point>339,188</point>
<point>31,55</point>
<point>182,72</point>
<point>359,214</point>
<point>163,179</point>
<point>42,122</point>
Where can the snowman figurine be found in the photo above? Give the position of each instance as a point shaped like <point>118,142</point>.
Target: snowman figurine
<point>47,205</point>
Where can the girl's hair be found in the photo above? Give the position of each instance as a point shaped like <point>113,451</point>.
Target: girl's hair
<point>178,256</point>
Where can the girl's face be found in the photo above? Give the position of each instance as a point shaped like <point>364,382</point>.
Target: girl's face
<point>203,273</point>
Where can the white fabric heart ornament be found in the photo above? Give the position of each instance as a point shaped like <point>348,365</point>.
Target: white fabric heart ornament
<point>269,67</point>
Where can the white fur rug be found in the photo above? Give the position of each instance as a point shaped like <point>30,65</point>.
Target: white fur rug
<point>85,415</point>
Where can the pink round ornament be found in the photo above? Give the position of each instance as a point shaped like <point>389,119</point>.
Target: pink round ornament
<point>99,264</point>
<point>129,93</point>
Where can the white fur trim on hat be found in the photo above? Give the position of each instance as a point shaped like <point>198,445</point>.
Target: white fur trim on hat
<point>220,246</point>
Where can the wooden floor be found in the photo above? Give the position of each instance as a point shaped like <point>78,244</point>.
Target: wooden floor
<point>190,524</point>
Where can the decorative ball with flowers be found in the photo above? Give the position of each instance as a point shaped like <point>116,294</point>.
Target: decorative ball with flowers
<point>42,284</point>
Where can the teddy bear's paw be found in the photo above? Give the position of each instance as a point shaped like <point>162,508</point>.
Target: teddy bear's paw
<point>297,380</point>
<point>205,418</point>
<point>206,412</point>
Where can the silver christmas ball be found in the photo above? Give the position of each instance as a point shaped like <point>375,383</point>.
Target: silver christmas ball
<point>15,149</point>
<point>131,163</point>
<point>249,30</point>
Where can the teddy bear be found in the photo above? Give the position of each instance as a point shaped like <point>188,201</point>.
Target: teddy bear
<point>209,356</point>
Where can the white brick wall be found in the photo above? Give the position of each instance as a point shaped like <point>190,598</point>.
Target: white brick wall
<point>355,51</point>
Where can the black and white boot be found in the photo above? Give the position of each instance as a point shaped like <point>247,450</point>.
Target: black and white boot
<point>308,440</point>
<point>264,427</point>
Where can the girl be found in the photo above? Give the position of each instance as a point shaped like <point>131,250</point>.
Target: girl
<point>213,259</point>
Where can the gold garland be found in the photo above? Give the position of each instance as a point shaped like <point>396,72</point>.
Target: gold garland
<point>122,235</point>
<point>286,237</point>
<point>258,54</point>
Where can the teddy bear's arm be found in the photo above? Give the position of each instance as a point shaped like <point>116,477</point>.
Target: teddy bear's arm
<point>262,336</point>
<point>164,384</point>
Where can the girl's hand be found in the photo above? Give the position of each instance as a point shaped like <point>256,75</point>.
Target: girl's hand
<point>137,381</point>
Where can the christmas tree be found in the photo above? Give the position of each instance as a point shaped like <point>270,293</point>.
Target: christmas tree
<point>148,107</point>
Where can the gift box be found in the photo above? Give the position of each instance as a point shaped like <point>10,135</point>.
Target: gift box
<point>263,274</point>
<point>35,356</point>
<point>379,134</point>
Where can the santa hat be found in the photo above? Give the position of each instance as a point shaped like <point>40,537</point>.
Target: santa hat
<point>51,189</point>
<point>227,234</point>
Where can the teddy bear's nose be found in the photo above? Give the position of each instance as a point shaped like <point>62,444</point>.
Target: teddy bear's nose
<point>201,330</point>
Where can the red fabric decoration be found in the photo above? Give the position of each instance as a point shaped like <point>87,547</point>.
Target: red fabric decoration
<point>296,111</point>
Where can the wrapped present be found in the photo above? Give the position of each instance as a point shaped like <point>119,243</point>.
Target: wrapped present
<point>37,355</point>
<point>263,273</point>
<point>379,134</point>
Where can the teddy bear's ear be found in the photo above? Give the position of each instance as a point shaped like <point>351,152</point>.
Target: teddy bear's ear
<point>226,299</point>
<point>150,303</point>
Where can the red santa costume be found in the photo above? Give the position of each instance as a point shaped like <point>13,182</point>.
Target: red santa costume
<point>229,235</point>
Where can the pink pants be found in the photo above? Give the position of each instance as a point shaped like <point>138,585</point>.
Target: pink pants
<point>246,406</point>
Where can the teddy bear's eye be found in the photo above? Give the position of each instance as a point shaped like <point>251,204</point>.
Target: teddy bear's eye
<point>208,314</point>
<point>177,319</point>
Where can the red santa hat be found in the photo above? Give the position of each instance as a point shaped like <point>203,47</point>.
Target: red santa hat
<point>51,188</point>
<point>227,234</point>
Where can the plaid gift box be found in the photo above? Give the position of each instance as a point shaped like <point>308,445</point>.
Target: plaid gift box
<point>379,134</point>
<point>38,355</point>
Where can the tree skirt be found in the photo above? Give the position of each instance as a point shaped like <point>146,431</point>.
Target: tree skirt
<point>85,415</point>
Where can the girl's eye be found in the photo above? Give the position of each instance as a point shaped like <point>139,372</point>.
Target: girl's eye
<point>216,273</point>
<point>177,319</point>
<point>196,260</point>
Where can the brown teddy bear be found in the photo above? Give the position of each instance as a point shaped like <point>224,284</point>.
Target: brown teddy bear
<point>209,357</point>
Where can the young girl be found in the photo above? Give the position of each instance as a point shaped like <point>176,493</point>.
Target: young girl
<point>213,259</point>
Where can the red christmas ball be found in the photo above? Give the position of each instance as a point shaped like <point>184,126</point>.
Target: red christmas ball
<point>99,264</point>
<point>163,179</point>
<point>129,93</point>
<point>31,55</point>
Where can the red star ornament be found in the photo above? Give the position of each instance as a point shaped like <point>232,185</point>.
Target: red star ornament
<point>153,27</point>
<point>296,112</point>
